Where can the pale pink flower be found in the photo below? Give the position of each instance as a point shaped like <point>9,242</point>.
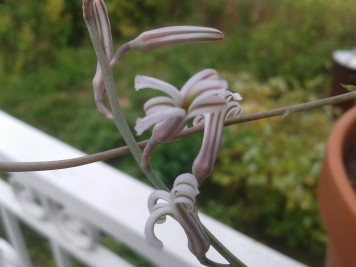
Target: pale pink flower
<point>213,126</point>
<point>146,41</point>
<point>170,114</point>
<point>180,205</point>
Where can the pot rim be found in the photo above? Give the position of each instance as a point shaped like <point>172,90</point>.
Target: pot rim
<point>342,135</point>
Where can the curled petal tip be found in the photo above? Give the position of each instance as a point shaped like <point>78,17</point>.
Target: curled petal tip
<point>237,96</point>
<point>138,79</point>
<point>157,244</point>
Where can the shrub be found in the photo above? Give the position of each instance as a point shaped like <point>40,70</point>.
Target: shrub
<point>31,31</point>
<point>267,171</point>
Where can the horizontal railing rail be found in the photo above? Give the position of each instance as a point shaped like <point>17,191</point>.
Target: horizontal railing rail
<point>76,209</point>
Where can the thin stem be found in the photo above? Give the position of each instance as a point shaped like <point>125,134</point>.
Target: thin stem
<point>223,250</point>
<point>121,151</point>
<point>66,163</point>
<point>284,111</point>
<point>119,117</point>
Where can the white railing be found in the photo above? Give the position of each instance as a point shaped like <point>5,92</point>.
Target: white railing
<point>73,208</point>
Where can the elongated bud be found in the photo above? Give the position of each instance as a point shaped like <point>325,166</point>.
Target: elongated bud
<point>174,35</point>
<point>102,22</point>
<point>204,163</point>
<point>153,39</point>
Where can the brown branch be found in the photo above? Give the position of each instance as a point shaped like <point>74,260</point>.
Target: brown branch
<point>121,151</point>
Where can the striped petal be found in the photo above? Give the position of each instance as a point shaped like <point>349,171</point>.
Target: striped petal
<point>157,104</point>
<point>206,105</point>
<point>232,109</point>
<point>181,206</point>
<point>103,25</point>
<point>168,129</point>
<point>146,122</point>
<point>206,74</point>
<point>144,82</point>
<point>207,88</point>
<point>204,163</point>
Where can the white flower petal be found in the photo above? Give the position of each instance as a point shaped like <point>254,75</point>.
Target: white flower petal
<point>229,95</point>
<point>146,122</point>
<point>182,207</point>
<point>206,74</point>
<point>206,105</point>
<point>155,196</point>
<point>233,108</point>
<point>163,218</point>
<point>168,129</point>
<point>155,216</point>
<point>198,120</point>
<point>237,96</point>
<point>157,104</point>
<point>207,88</point>
<point>145,82</point>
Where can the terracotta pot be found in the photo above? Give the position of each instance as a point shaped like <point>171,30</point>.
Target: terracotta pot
<point>337,199</point>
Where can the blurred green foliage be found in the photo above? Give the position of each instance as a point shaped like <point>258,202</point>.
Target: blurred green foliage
<point>267,171</point>
<point>30,31</point>
<point>275,53</point>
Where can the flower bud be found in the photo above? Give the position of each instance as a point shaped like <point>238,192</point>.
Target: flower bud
<point>174,35</point>
<point>204,163</point>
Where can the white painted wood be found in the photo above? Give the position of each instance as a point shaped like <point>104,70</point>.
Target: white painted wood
<point>97,257</point>
<point>111,201</point>
<point>61,257</point>
<point>14,234</point>
<point>8,255</point>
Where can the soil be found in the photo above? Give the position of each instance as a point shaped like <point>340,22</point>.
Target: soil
<point>350,165</point>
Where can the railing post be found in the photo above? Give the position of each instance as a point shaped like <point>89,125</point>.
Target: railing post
<point>15,236</point>
<point>60,256</point>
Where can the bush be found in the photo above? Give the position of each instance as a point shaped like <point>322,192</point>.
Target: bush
<point>301,40</point>
<point>31,31</point>
<point>267,171</point>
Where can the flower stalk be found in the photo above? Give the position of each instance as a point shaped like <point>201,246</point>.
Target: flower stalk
<point>118,115</point>
<point>124,150</point>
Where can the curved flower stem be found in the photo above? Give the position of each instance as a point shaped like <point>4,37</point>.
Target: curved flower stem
<point>121,151</point>
<point>66,163</point>
<point>119,118</point>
